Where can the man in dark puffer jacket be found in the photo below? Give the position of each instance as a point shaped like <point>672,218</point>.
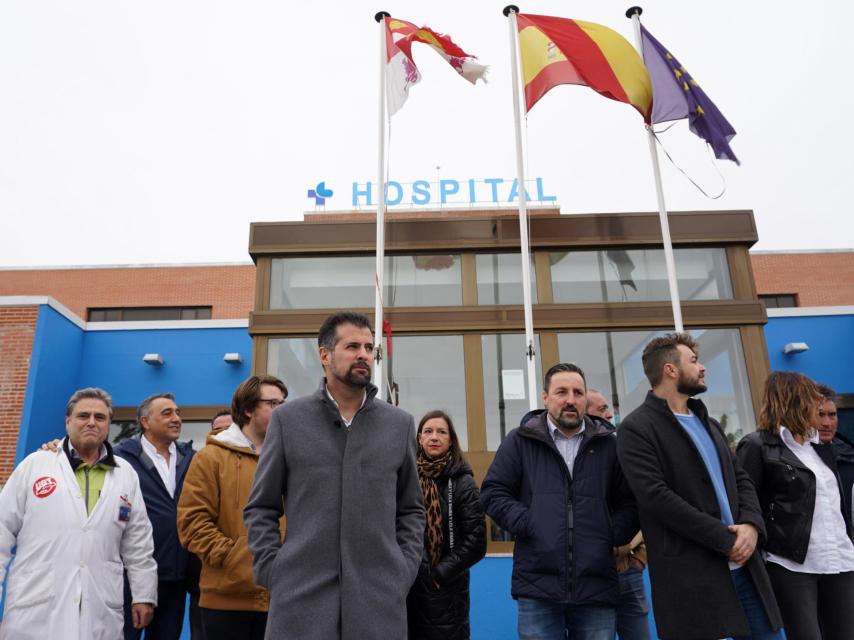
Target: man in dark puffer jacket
<point>556,485</point>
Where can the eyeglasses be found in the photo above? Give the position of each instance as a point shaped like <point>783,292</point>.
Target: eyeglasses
<point>272,402</point>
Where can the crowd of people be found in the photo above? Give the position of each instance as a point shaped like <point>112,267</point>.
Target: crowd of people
<point>333,516</point>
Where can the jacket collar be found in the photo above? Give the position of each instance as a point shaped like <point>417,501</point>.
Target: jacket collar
<point>74,460</point>
<point>842,447</point>
<point>322,395</point>
<point>534,425</point>
<point>826,451</point>
<point>660,405</point>
<point>133,446</point>
<point>235,438</point>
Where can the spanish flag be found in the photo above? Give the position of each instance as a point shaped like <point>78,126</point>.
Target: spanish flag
<point>401,71</point>
<point>561,51</point>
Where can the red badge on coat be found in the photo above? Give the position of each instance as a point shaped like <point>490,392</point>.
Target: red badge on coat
<point>44,486</point>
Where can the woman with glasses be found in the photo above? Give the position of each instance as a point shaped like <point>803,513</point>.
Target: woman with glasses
<point>809,550</point>
<point>455,536</point>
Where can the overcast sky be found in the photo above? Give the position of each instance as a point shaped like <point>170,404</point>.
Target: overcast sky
<point>156,131</point>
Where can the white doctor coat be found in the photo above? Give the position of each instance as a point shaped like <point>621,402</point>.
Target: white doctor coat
<point>66,581</point>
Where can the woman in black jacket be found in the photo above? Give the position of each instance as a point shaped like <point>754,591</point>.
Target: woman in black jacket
<point>454,539</point>
<point>809,550</point>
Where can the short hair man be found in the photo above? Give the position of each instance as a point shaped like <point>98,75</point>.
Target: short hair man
<point>699,510</point>
<point>210,514</point>
<point>597,405</point>
<point>77,517</point>
<point>843,449</point>
<point>161,462</point>
<point>341,464</point>
<point>633,606</point>
<point>221,421</point>
<point>556,485</point>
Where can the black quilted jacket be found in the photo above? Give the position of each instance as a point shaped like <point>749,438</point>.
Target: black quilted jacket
<point>443,612</point>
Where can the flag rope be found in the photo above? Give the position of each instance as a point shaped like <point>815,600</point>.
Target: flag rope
<point>683,172</point>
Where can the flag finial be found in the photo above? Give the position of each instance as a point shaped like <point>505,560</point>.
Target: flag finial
<point>510,8</point>
<point>381,15</point>
<point>631,12</point>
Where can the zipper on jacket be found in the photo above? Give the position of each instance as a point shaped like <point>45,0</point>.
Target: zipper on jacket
<point>86,495</point>
<point>570,543</point>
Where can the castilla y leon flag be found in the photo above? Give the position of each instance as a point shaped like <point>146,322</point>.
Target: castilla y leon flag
<point>558,51</point>
<point>677,95</point>
<point>402,73</point>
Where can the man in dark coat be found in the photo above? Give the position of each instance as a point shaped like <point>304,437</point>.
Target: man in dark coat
<point>340,464</point>
<point>161,463</point>
<point>843,449</point>
<point>556,485</point>
<point>698,508</point>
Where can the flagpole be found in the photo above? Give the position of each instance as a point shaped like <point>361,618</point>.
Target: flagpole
<point>510,12</point>
<point>633,14</point>
<point>378,297</point>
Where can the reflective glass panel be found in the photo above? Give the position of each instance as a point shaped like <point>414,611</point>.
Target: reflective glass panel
<point>612,364</point>
<point>340,282</point>
<point>634,275</point>
<point>505,383</point>
<point>296,361</point>
<point>429,372</point>
<point>499,279</point>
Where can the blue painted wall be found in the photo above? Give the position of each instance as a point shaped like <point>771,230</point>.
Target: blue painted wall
<point>493,611</point>
<point>54,363</point>
<point>66,358</point>
<point>194,369</point>
<point>830,358</point>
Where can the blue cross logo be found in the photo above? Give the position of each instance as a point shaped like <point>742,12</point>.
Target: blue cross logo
<point>320,193</point>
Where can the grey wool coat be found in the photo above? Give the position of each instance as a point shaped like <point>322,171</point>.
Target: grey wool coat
<point>355,520</point>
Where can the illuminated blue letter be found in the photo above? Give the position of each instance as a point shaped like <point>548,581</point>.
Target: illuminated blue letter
<point>494,182</point>
<point>420,192</point>
<point>357,193</point>
<point>445,189</point>
<point>393,201</point>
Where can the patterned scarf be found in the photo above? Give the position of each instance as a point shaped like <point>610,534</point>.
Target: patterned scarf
<point>428,470</point>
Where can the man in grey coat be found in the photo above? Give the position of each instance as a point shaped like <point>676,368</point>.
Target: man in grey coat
<point>340,464</point>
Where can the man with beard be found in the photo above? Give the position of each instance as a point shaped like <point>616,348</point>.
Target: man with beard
<point>698,508</point>
<point>556,485</point>
<point>340,464</point>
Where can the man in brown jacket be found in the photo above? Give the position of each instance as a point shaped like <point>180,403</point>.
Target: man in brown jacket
<point>210,514</point>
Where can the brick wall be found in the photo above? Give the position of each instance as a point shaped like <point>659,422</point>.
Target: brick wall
<point>228,289</point>
<point>820,279</point>
<point>17,331</point>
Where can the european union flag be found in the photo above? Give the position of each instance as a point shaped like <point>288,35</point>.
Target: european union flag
<point>676,95</point>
